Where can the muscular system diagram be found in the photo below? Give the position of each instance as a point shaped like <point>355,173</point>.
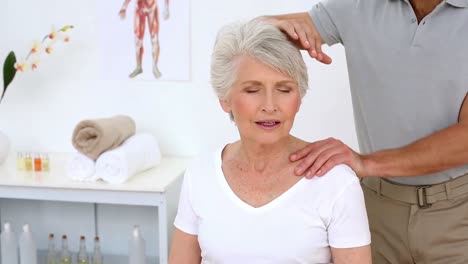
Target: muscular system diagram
<point>146,13</point>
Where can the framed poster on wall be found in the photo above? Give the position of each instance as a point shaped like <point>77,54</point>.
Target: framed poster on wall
<point>144,39</point>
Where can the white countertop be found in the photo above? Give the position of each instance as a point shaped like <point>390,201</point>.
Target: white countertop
<point>156,179</point>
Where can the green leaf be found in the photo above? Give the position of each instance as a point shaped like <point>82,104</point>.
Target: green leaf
<point>9,71</point>
<point>65,28</point>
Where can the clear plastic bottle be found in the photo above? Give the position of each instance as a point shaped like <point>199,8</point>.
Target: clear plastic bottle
<point>28,251</point>
<point>136,247</point>
<point>65,255</point>
<point>45,162</point>
<point>97,255</point>
<point>82,257</point>
<point>51,252</point>
<point>20,166</point>
<point>9,245</point>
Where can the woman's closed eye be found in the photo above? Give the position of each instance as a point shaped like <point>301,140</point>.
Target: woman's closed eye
<point>251,89</point>
<point>284,89</point>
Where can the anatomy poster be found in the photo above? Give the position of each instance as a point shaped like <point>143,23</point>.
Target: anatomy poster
<point>144,39</point>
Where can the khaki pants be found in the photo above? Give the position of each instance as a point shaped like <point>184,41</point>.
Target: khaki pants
<point>405,233</point>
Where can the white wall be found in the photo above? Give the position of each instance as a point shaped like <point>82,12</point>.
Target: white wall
<point>41,108</point>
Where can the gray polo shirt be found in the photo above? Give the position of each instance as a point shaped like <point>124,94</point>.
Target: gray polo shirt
<point>408,80</point>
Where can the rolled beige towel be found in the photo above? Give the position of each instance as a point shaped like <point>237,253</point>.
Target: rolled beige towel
<point>93,137</point>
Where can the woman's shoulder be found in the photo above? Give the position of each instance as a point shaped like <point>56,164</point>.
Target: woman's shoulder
<point>342,172</point>
<point>339,178</point>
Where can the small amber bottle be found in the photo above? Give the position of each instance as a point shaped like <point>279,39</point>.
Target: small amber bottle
<point>37,162</point>
<point>28,163</point>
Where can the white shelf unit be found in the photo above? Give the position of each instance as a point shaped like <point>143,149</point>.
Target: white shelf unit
<point>108,259</point>
<point>158,187</point>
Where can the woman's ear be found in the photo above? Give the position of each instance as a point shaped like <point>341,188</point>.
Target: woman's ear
<point>226,105</point>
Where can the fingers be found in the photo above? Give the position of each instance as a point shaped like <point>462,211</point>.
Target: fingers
<point>309,155</point>
<point>316,52</point>
<point>324,58</point>
<point>301,29</point>
<point>321,156</point>
<point>288,28</point>
<point>305,34</point>
<point>308,149</point>
<point>337,153</point>
<point>332,162</point>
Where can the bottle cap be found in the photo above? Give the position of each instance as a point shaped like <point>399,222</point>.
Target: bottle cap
<point>64,236</point>
<point>136,231</point>
<point>26,228</point>
<point>51,235</point>
<point>7,227</point>
<point>82,237</point>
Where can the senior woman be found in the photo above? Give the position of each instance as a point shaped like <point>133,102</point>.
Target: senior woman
<point>243,204</point>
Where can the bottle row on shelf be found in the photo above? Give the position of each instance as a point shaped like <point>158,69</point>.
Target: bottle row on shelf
<point>27,161</point>
<point>65,256</point>
<point>28,250</point>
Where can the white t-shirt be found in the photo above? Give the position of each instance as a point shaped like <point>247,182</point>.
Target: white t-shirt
<point>299,226</point>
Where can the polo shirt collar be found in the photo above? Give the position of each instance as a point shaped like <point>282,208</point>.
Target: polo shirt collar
<point>455,3</point>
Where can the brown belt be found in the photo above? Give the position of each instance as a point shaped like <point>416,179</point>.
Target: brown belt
<point>424,196</point>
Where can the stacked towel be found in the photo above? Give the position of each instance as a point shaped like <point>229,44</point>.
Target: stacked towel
<point>81,168</point>
<point>138,153</point>
<point>93,137</point>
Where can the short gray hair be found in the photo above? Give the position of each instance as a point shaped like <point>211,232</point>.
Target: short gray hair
<point>261,41</point>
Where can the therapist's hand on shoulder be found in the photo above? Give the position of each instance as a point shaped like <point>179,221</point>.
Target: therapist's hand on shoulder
<point>321,156</point>
<point>301,29</point>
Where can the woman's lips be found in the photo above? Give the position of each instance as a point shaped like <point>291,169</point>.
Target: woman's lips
<point>268,124</point>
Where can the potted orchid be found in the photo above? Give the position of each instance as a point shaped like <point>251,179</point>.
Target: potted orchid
<point>31,61</point>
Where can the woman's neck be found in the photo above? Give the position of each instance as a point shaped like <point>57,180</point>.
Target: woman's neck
<point>260,158</point>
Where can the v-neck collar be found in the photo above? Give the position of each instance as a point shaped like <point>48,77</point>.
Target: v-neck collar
<point>238,201</point>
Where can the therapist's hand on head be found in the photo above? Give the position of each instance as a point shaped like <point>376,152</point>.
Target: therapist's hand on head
<point>300,28</point>
<point>321,156</point>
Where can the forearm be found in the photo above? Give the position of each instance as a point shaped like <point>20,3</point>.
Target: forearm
<point>357,255</point>
<point>302,15</point>
<point>185,248</point>
<point>442,150</point>
<point>125,4</point>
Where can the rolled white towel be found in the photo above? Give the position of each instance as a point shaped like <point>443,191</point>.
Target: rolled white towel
<point>81,168</point>
<point>138,153</point>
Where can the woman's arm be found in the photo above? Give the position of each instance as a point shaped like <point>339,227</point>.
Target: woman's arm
<point>348,230</point>
<point>185,248</point>
<point>356,255</point>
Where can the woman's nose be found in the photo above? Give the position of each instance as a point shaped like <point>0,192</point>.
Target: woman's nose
<point>269,103</point>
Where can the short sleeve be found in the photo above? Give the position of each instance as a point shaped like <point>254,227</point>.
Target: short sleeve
<point>331,17</point>
<point>186,220</point>
<point>349,226</point>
